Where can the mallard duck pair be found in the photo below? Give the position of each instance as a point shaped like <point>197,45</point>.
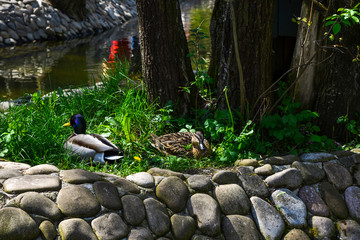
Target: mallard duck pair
<point>188,144</point>
<point>89,146</point>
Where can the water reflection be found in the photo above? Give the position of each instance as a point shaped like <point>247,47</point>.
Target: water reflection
<point>46,66</point>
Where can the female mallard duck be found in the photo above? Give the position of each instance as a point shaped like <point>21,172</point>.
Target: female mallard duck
<point>183,143</point>
<point>89,146</point>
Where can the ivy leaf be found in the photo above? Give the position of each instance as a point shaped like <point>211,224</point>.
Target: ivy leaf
<point>336,28</point>
<point>315,138</point>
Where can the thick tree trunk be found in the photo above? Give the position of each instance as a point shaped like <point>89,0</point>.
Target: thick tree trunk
<point>166,67</point>
<point>331,85</point>
<point>242,62</point>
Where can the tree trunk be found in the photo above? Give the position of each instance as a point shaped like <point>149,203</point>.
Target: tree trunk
<point>166,68</point>
<point>241,59</point>
<point>333,78</point>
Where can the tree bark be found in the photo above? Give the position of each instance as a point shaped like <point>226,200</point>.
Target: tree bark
<point>165,64</point>
<point>249,71</point>
<point>333,78</point>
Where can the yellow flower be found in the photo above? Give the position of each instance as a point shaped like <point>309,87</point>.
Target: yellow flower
<point>137,159</point>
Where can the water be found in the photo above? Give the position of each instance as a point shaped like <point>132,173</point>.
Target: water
<point>47,66</point>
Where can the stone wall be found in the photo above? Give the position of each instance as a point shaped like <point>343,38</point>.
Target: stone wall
<point>28,20</point>
<point>315,195</point>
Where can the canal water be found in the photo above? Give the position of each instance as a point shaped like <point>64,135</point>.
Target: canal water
<point>47,66</point>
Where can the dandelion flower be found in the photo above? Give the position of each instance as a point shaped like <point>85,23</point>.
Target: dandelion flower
<point>138,159</point>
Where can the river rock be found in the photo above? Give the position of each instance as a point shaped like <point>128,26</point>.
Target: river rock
<point>311,172</point>
<point>281,160</point>
<point>173,192</point>
<point>322,227</point>
<point>14,165</point>
<point>125,186</point>
<point>9,173</point>
<point>225,177</point>
<point>134,210</point>
<point>291,206</point>
<point>142,179</point>
<point>348,229</point>
<point>232,199</point>
<point>36,203</point>
<point>207,212</point>
<point>200,183</point>
<point>246,162</point>
<point>239,227</point>
<point>76,228</point>
<point>78,176</point>
<point>48,230</point>
<point>77,201</point>
<point>42,169</point>
<point>267,218</point>
<point>157,216</point>
<point>313,201</point>
<point>338,175</point>
<point>296,234</point>
<point>317,157</point>
<point>352,199</point>
<point>289,178</point>
<point>107,195</point>
<point>165,172</point>
<point>183,227</point>
<point>16,224</point>
<point>265,170</point>
<point>334,200</point>
<point>109,226</point>
<point>252,183</point>
<point>36,183</point>
<point>140,233</point>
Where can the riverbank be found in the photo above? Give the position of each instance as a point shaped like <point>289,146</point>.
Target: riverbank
<point>33,20</point>
<point>315,195</point>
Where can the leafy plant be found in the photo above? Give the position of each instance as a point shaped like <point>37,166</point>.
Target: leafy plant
<point>353,126</point>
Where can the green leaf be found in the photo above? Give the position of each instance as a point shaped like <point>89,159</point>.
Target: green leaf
<point>336,28</point>
<point>315,138</point>
<point>329,23</point>
<point>355,19</point>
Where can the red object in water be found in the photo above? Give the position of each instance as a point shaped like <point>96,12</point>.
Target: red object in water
<point>120,49</point>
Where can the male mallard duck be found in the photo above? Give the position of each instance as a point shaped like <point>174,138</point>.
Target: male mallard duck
<point>183,143</point>
<point>89,146</point>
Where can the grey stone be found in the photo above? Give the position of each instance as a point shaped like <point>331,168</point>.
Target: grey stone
<point>48,230</point>
<point>338,175</point>
<point>4,198</point>
<point>40,21</point>
<point>296,234</point>
<point>317,157</point>
<point>157,216</point>
<point>14,165</point>
<point>76,228</point>
<point>252,183</point>
<point>322,227</point>
<point>3,26</point>
<point>142,179</point>
<point>125,186</point>
<point>140,233</point>
<point>357,174</point>
<point>225,177</point>
<point>183,227</point>
<point>281,160</point>
<point>36,203</point>
<point>109,226</point>
<point>334,200</point>
<point>201,237</point>
<point>134,210</point>
<point>42,169</point>
<point>35,183</point>
<point>77,201</point>
<point>352,199</point>
<point>237,227</point>
<point>200,183</point>
<point>310,172</point>
<point>107,195</point>
<point>78,176</point>
<point>349,162</point>
<point>9,173</point>
<point>289,178</point>
<point>207,212</point>
<point>16,224</point>
<point>247,162</point>
<point>291,206</point>
<point>313,201</point>
<point>232,199</point>
<point>264,170</point>
<point>348,229</point>
<point>173,192</point>
<point>268,220</point>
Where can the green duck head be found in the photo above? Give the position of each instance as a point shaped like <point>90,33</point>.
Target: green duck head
<point>77,121</point>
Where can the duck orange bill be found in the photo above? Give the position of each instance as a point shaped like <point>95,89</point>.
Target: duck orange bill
<point>67,124</point>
